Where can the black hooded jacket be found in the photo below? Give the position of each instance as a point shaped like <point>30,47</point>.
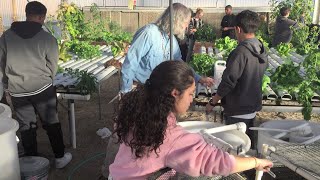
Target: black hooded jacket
<point>26,29</point>
<point>240,87</point>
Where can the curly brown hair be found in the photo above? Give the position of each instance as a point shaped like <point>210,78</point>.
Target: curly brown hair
<point>141,122</point>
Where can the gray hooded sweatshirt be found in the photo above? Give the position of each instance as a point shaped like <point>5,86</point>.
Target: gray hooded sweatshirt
<point>28,59</point>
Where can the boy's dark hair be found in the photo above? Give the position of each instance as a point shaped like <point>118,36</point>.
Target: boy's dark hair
<point>228,7</point>
<point>248,21</point>
<point>284,11</point>
<point>35,8</point>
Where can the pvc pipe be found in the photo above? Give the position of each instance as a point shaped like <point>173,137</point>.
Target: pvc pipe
<point>238,126</point>
<point>284,95</point>
<point>295,109</point>
<point>268,129</point>
<point>63,65</point>
<point>291,166</point>
<point>314,139</point>
<point>108,71</point>
<point>74,96</point>
<point>315,17</point>
<point>98,62</point>
<point>96,65</point>
<point>278,136</point>
<point>219,143</point>
<point>270,94</point>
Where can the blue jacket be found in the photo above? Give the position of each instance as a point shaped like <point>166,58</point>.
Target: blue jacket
<point>149,48</point>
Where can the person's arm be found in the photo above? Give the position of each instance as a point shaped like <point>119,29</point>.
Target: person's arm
<point>52,56</point>
<point>193,156</point>
<point>138,49</point>
<point>247,163</point>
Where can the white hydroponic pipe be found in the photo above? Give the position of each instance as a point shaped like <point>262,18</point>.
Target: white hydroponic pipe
<point>291,166</point>
<point>316,11</point>
<point>238,126</point>
<point>294,109</point>
<point>98,62</point>
<point>63,65</point>
<point>107,71</point>
<point>284,95</point>
<point>73,96</point>
<point>270,94</point>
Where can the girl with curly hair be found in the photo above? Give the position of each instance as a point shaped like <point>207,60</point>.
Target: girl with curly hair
<point>151,140</point>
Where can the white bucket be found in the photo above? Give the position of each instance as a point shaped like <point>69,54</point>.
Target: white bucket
<point>5,111</point>
<point>9,162</point>
<point>34,168</point>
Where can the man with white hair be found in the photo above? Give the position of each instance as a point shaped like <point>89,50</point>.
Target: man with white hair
<point>151,46</point>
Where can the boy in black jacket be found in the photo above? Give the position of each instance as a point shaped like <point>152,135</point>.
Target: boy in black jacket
<point>240,88</point>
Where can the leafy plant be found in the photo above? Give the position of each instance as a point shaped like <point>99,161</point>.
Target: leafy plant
<point>203,64</point>
<point>287,77</point>
<point>305,39</point>
<point>72,19</point>
<point>87,82</point>
<point>85,50</point>
<point>298,8</point>
<point>284,49</point>
<point>205,33</point>
<point>265,82</point>
<point>60,69</point>
<point>64,51</point>
<point>226,44</point>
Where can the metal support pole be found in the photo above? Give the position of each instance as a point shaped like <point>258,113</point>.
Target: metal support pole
<point>315,18</point>
<point>72,124</point>
<point>171,29</point>
<point>99,99</point>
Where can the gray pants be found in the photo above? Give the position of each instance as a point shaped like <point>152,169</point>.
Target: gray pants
<point>44,104</point>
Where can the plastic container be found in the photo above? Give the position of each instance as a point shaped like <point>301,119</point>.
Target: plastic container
<point>266,137</point>
<point>219,67</point>
<point>234,137</point>
<point>5,111</point>
<point>34,168</point>
<point>203,50</point>
<point>9,164</point>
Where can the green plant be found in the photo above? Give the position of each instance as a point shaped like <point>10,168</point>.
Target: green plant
<point>298,8</point>
<point>85,50</point>
<point>287,77</point>
<point>87,82</point>
<point>205,33</point>
<point>226,44</point>
<point>305,39</point>
<point>265,82</point>
<point>72,19</point>
<point>284,49</point>
<point>64,48</point>
<point>203,64</point>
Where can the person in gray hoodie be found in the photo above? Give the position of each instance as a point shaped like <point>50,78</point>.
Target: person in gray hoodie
<point>28,59</point>
<point>240,89</point>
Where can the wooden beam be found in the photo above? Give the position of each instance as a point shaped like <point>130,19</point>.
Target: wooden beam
<point>14,10</point>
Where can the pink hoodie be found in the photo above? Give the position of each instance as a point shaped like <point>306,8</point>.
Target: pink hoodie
<point>182,151</point>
